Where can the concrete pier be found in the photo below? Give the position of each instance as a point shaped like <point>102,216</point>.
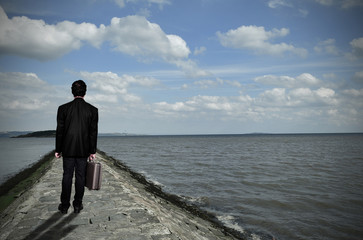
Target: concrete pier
<point>122,209</point>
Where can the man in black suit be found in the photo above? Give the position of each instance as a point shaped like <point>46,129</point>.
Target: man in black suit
<point>76,140</point>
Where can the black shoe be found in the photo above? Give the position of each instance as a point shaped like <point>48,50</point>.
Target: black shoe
<point>77,209</point>
<point>62,209</point>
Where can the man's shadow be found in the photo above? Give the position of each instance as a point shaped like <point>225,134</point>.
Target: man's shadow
<point>52,229</point>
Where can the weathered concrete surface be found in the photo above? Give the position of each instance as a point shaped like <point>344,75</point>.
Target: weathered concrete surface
<point>122,209</point>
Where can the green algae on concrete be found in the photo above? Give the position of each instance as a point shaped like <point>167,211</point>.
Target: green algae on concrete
<point>16,185</point>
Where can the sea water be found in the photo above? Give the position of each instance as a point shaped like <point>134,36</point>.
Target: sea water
<point>19,153</point>
<point>288,186</point>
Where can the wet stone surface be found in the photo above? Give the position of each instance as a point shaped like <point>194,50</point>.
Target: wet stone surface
<point>121,209</point>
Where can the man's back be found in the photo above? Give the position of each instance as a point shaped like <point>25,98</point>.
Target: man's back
<point>77,129</point>
<point>76,140</point>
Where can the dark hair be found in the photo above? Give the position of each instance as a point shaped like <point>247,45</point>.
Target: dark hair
<point>79,88</point>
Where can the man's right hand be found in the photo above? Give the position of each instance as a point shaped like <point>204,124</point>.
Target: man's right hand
<point>58,155</point>
<point>92,157</point>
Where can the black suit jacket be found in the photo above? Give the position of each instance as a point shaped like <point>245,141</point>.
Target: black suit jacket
<point>77,129</point>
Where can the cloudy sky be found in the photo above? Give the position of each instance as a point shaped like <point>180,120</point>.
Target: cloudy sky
<point>185,66</point>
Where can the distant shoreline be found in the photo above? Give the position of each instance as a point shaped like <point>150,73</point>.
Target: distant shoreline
<point>52,134</point>
<point>46,133</point>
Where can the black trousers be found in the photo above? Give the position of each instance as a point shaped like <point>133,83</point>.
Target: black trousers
<point>79,167</point>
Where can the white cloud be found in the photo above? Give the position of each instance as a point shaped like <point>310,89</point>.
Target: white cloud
<point>304,90</point>
<point>327,46</point>
<point>165,108</point>
<point>325,2</point>
<point>275,96</point>
<point>358,77</point>
<point>290,99</point>
<point>28,102</point>
<point>357,47</point>
<point>106,82</point>
<point>275,4</point>
<point>205,107</point>
<point>306,79</point>
<point>132,35</point>
<point>136,36</point>
<point>303,80</point>
<point>21,81</point>
<point>303,99</point>
<point>352,3</point>
<point>120,3</point>
<point>207,83</point>
<point>34,38</point>
<point>161,3</point>
<point>190,68</point>
<point>303,12</point>
<point>184,86</point>
<point>102,98</point>
<point>299,97</point>
<point>23,91</point>
<point>233,83</point>
<point>119,82</point>
<point>354,92</point>
<point>86,32</point>
<point>200,50</point>
<point>341,3</point>
<point>211,103</point>
<point>325,93</point>
<point>302,94</point>
<point>278,3</point>
<point>259,40</point>
<point>110,86</point>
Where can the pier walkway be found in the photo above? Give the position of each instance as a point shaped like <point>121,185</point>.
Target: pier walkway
<point>122,209</point>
